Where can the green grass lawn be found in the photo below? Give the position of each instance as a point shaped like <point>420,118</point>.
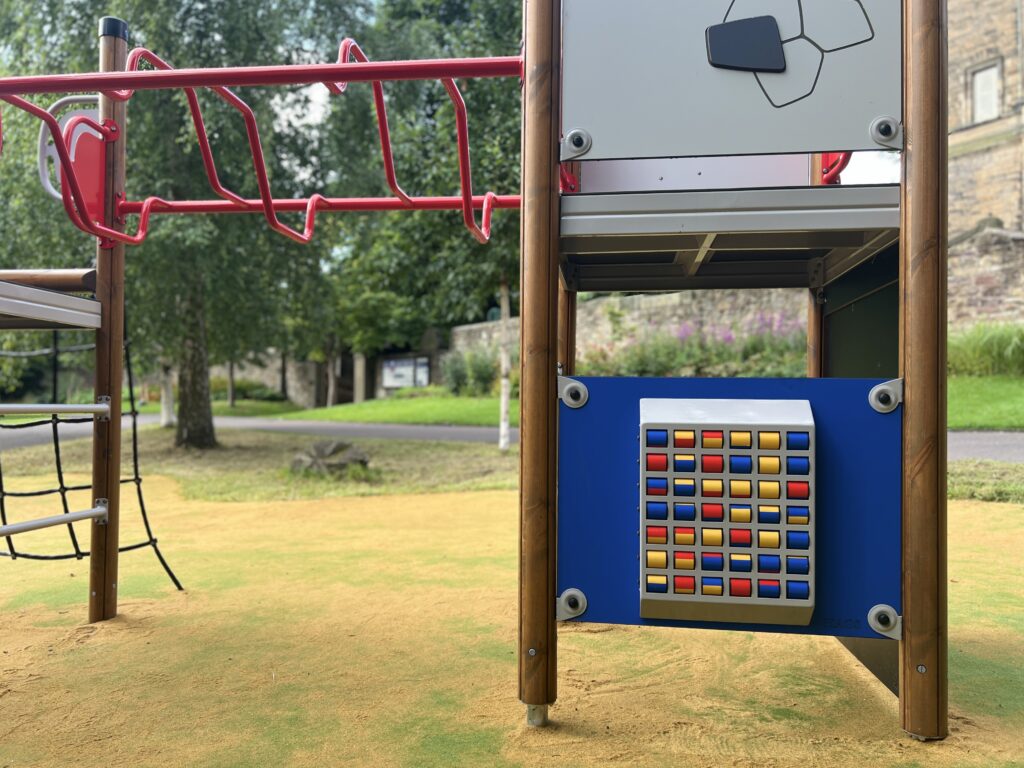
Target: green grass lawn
<point>461,411</point>
<point>989,402</point>
<point>241,408</point>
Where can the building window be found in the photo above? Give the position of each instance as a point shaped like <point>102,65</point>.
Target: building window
<point>985,88</point>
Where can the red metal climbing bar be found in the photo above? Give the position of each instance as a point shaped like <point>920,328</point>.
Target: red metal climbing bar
<point>352,66</point>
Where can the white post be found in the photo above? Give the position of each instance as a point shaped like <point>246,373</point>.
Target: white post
<point>506,368</point>
<point>358,377</point>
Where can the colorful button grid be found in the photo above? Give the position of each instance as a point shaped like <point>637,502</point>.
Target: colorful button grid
<point>728,517</point>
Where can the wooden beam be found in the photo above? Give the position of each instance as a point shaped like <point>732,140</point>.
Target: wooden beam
<point>538,357</point>
<point>923,653</point>
<point>64,280</point>
<point>106,460</point>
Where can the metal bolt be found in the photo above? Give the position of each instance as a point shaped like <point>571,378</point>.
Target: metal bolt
<point>573,602</point>
<point>532,651</point>
<point>578,141</point>
<point>922,668</point>
<point>885,129</point>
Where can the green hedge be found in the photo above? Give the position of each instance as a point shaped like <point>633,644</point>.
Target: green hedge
<point>987,350</point>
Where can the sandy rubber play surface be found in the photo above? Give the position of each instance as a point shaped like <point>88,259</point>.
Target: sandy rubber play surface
<point>380,632</point>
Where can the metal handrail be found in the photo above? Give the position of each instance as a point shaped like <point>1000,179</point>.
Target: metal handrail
<point>26,409</point>
<point>96,513</point>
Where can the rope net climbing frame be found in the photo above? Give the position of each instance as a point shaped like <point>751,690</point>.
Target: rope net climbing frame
<point>63,489</point>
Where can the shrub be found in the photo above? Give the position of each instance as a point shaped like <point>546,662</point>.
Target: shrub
<point>987,350</point>
<point>481,370</point>
<point>412,393</point>
<point>715,353</point>
<point>454,373</point>
<point>245,389</point>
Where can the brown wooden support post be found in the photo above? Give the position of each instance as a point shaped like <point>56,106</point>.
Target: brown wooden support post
<point>106,460</point>
<point>923,662</point>
<point>538,357</point>
<point>566,329</point>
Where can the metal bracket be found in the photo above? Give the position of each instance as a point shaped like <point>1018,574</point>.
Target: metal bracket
<point>887,396</point>
<point>103,504</point>
<point>570,604</point>
<point>88,106</point>
<point>573,393</point>
<point>577,142</point>
<point>816,279</point>
<point>884,620</point>
<point>103,400</point>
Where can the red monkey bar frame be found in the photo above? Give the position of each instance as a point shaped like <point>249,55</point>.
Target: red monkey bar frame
<point>352,66</point>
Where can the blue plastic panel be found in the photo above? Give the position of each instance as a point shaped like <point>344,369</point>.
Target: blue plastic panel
<point>859,488</point>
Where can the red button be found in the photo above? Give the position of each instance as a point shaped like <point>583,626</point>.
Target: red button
<point>657,462</point>
<point>712,463</point>
<point>712,511</point>
<point>798,490</point>
<point>739,537</point>
<point>685,583</point>
<point>739,587</point>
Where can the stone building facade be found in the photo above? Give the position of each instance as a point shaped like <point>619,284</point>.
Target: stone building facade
<point>986,122</point>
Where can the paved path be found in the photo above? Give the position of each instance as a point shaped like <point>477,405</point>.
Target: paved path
<point>17,438</point>
<point>1002,446</point>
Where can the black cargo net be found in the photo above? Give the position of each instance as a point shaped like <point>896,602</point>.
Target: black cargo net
<point>62,489</point>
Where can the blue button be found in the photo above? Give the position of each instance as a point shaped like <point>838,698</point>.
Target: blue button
<point>656,587</point>
<point>798,441</point>
<point>712,561</point>
<point>686,511</point>
<point>765,589</point>
<point>772,518</point>
<point>741,465</point>
<point>657,438</point>
<point>798,590</point>
<point>800,565</point>
<point>657,486</point>
<point>769,563</point>
<point>798,540</point>
<point>685,465</point>
<point>798,465</point>
<point>740,563</point>
<point>657,510</point>
<point>798,515</point>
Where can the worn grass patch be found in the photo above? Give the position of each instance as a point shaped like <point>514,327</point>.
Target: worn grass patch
<point>254,466</point>
<point>263,408</point>
<point>986,480</point>
<point>436,409</point>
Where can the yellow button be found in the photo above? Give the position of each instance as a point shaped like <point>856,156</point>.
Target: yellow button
<point>711,439</point>
<point>711,589</point>
<point>739,514</point>
<point>684,536</point>
<point>768,539</point>
<point>658,582</point>
<point>739,439</point>
<point>768,465</point>
<point>739,489</point>
<point>684,438</point>
<point>768,441</point>
<point>711,487</point>
<point>768,489</point>
<point>711,537</point>
<point>657,559</point>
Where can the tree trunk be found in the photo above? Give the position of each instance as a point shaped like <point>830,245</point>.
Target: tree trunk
<point>231,383</point>
<point>506,367</point>
<point>284,374</point>
<point>332,374</point>
<point>167,418</point>
<point>195,417</point>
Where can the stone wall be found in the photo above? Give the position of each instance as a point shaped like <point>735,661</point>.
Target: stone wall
<point>305,379</point>
<point>602,320</point>
<point>986,161</point>
<point>986,278</point>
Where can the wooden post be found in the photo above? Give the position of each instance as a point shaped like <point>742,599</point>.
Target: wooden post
<point>923,663</point>
<point>106,460</point>
<point>538,357</point>
<point>566,329</point>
